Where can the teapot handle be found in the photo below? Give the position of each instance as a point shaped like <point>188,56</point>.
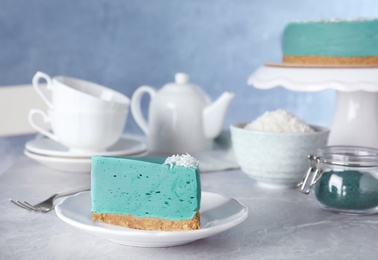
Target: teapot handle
<point>136,106</point>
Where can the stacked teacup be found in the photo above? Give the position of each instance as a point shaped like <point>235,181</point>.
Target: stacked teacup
<point>85,117</point>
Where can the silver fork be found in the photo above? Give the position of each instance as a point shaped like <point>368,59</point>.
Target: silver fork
<point>48,204</point>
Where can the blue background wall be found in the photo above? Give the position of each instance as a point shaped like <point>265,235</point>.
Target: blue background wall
<point>127,43</point>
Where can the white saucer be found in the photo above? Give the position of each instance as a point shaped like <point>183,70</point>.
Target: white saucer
<point>65,164</point>
<point>218,214</point>
<point>46,146</point>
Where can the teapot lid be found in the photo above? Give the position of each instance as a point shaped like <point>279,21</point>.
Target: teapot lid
<point>181,82</point>
<point>183,86</point>
<point>181,78</point>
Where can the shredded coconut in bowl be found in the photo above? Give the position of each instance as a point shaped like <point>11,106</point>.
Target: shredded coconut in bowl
<point>279,121</point>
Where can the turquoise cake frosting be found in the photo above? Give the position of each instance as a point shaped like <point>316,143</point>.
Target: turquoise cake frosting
<point>145,187</point>
<point>337,38</point>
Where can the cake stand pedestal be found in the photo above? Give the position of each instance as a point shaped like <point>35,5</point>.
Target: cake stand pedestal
<point>355,120</point>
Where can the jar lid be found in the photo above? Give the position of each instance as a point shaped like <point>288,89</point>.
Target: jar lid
<point>355,156</point>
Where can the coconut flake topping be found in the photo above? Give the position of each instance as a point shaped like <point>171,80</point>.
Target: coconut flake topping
<point>185,160</point>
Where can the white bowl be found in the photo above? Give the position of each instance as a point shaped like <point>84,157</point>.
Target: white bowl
<point>275,160</point>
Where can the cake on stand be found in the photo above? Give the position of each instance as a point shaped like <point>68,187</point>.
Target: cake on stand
<point>355,119</point>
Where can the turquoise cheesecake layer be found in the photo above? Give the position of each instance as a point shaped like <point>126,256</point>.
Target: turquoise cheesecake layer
<point>144,187</point>
<point>333,38</point>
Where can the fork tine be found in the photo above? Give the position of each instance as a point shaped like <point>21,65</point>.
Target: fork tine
<point>48,204</point>
<point>30,206</point>
<point>39,208</point>
<point>25,206</point>
<point>17,203</point>
<point>20,204</point>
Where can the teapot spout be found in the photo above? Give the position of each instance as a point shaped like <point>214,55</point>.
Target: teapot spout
<point>214,114</point>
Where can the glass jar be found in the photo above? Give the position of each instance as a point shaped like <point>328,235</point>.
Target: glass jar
<point>344,179</point>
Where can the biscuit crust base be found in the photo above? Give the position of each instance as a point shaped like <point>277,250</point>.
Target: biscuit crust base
<point>148,223</point>
<point>329,60</point>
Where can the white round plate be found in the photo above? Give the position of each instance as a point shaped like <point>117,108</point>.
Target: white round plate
<point>46,146</point>
<point>315,79</point>
<point>218,214</point>
<point>75,165</point>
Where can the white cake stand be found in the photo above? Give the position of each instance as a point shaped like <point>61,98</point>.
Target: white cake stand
<point>355,120</point>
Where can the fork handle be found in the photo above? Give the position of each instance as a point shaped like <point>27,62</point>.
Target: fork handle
<point>71,192</point>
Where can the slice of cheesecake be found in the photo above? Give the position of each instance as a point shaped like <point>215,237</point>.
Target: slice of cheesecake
<point>146,193</point>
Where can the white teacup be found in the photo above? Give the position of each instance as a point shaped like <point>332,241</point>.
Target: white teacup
<point>71,94</point>
<point>82,132</point>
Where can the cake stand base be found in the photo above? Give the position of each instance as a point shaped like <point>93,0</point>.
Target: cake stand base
<point>355,119</point>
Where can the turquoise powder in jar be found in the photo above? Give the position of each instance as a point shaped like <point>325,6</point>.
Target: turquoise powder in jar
<point>348,190</point>
<point>344,179</point>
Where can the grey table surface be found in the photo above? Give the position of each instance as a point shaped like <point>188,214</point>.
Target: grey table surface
<point>282,224</point>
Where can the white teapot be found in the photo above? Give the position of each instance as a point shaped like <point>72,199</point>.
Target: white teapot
<point>181,118</point>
